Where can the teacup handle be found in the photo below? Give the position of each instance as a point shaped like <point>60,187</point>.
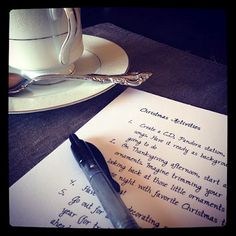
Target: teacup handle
<point>64,55</point>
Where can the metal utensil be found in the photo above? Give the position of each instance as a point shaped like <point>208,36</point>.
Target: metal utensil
<point>18,83</point>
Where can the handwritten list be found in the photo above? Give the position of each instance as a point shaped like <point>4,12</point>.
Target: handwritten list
<point>169,158</point>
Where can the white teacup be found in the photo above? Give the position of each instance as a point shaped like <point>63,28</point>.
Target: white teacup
<point>45,40</point>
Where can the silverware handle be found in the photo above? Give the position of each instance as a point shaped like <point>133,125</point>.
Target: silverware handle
<point>131,79</point>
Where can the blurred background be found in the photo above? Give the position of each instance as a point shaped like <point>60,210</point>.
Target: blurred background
<point>200,31</point>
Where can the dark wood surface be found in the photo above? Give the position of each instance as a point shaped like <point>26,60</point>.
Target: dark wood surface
<point>177,75</point>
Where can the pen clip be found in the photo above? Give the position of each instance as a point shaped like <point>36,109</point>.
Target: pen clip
<point>103,165</point>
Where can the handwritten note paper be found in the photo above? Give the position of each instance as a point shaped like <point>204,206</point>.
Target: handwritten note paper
<point>169,158</point>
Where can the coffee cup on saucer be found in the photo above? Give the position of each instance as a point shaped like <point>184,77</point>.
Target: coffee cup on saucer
<point>45,41</point>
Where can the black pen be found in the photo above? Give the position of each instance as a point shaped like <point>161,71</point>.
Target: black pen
<point>111,201</point>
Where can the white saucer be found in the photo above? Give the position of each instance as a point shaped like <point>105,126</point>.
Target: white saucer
<point>100,56</point>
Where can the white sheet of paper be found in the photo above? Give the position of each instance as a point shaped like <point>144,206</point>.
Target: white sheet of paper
<point>169,158</point>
